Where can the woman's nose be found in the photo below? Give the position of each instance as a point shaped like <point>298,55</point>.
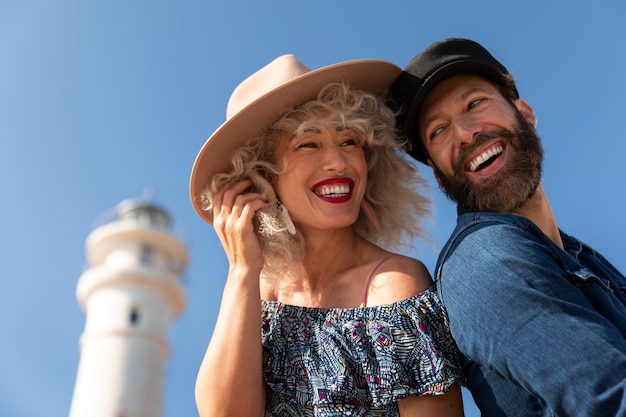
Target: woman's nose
<point>334,159</point>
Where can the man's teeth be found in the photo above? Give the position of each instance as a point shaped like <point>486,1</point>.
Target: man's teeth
<point>334,190</point>
<point>496,150</point>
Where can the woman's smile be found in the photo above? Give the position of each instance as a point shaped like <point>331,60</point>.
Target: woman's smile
<point>334,190</point>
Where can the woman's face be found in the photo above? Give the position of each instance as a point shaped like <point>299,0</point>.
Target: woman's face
<point>323,179</point>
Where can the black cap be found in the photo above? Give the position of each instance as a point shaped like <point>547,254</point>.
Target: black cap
<point>437,62</point>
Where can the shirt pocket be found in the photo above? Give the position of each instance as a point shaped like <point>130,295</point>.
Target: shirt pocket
<point>584,276</point>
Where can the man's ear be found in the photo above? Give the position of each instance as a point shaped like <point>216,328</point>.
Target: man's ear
<point>526,111</point>
<point>432,166</point>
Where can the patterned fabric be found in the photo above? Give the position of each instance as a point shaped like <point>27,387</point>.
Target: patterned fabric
<point>355,362</point>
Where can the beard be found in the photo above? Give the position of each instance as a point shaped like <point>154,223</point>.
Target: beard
<point>511,187</point>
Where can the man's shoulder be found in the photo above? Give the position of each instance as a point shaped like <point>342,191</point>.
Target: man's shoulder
<point>482,242</point>
<point>490,229</point>
<point>471,219</point>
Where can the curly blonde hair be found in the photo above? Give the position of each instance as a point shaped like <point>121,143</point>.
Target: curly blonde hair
<point>395,187</point>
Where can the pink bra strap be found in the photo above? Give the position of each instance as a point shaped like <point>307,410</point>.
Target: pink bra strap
<point>369,279</point>
<point>367,284</point>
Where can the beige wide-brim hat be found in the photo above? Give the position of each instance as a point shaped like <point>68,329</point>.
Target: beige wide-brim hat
<point>259,99</point>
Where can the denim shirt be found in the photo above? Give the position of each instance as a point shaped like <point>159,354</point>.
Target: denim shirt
<point>541,330</point>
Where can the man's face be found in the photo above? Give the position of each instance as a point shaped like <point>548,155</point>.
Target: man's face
<point>484,150</point>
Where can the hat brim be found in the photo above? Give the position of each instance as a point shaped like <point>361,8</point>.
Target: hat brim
<point>215,155</point>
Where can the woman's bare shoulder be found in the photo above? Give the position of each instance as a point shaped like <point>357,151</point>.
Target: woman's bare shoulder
<point>399,277</point>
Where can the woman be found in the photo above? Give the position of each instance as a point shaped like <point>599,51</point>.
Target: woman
<point>306,185</point>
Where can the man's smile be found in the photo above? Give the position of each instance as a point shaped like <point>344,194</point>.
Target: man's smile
<point>486,157</point>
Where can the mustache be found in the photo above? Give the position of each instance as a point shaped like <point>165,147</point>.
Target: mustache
<point>479,139</point>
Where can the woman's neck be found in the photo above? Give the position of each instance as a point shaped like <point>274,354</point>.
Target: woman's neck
<point>326,276</point>
<point>329,253</point>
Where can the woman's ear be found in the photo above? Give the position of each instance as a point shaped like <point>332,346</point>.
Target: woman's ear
<point>526,111</point>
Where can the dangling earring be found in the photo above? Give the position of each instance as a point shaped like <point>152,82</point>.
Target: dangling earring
<point>284,217</point>
<point>371,215</point>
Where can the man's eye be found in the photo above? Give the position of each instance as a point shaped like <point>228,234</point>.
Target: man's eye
<point>306,145</point>
<point>474,103</point>
<point>435,133</point>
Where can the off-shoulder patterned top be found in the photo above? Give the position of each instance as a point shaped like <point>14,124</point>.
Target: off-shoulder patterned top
<point>356,361</point>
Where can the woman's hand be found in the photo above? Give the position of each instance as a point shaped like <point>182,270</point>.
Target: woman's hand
<point>233,212</point>
<point>232,364</point>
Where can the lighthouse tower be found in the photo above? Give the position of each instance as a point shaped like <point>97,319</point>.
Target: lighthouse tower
<point>130,293</point>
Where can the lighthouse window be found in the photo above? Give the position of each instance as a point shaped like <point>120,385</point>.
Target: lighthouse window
<point>134,316</point>
<point>146,255</point>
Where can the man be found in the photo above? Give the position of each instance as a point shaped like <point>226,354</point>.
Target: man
<point>540,317</point>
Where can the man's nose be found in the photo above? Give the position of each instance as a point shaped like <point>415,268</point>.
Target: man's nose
<point>466,129</point>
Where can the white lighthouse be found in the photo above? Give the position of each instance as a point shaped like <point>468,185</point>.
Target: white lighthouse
<point>131,293</point>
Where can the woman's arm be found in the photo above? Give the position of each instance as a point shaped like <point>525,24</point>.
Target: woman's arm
<point>449,404</point>
<point>230,380</point>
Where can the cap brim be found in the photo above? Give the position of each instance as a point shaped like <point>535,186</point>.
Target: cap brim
<point>215,155</point>
<point>464,66</point>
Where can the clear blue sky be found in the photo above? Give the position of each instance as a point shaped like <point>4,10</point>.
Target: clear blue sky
<point>101,99</point>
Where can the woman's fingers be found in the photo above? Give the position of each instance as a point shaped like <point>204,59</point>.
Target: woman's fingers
<point>232,199</point>
<point>245,205</point>
<point>233,214</point>
<point>225,197</point>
